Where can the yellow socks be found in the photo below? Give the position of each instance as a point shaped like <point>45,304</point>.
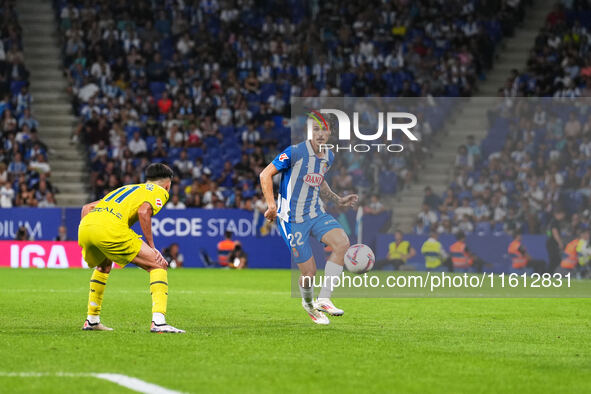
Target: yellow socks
<point>159,291</point>
<point>98,281</point>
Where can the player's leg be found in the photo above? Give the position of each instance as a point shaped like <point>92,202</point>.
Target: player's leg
<point>296,237</point>
<point>98,282</point>
<point>338,241</point>
<point>306,283</point>
<point>96,259</point>
<point>151,261</point>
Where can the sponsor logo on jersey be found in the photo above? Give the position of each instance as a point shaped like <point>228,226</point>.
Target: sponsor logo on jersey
<point>159,203</point>
<point>313,179</point>
<point>283,157</point>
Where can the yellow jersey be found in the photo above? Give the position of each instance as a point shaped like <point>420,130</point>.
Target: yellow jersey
<point>396,251</point>
<point>121,205</point>
<point>433,253</point>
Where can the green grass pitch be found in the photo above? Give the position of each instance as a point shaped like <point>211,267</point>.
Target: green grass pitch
<point>246,334</point>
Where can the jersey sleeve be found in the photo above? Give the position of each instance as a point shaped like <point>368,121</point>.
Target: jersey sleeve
<point>282,161</point>
<point>156,197</point>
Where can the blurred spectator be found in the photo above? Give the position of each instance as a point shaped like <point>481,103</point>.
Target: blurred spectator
<point>137,145</point>
<point>558,230</point>
<point>463,158</point>
<point>472,147</point>
<point>427,216</point>
<point>431,199</point>
<point>62,234</point>
<point>374,207</point>
<point>238,259</point>
<point>434,253</point>
<point>184,165</point>
<point>481,211</point>
<point>399,252</point>
<point>22,234</point>
<point>465,210</point>
<point>173,256</point>
<point>520,259</point>
<point>6,195</point>
<point>40,165</point>
<point>225,247</point>
<point>175,203</point>
<point>47,201</point>
<point>462,259</point>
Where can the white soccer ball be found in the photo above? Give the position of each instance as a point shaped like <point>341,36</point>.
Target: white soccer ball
<point>359,258</point>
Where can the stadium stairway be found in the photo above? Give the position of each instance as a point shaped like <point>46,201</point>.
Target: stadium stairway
<point>471,118</point>
<point>51,103</point>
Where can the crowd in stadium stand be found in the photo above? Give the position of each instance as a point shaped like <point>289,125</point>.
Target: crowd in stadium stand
<point>24,170</point>
<point>206,85</point>
<point>536,160</point>
<point>560,62</point>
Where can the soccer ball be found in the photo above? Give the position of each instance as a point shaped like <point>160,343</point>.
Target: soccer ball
<point>359,259</point>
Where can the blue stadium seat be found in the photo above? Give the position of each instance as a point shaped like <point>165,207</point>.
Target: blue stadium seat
<point>150,142</point>
<point>157,88</point>
<point>174,153</point>
<point>498,229</point>
<point>227,130</point>
<point>194,153</point>
<point>16,86</point>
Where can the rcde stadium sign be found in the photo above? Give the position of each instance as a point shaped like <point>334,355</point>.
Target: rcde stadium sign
<point>199,226</point>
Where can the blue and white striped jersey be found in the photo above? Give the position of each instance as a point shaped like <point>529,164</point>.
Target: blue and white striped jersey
<point>302,173</point>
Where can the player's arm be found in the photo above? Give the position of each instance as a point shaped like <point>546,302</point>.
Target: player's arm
<point>326,194</point>
<point>87,208</point>
<point>144,214</point>
<point>266,178</point>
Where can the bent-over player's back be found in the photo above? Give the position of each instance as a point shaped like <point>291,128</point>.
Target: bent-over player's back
<point>120,207</point>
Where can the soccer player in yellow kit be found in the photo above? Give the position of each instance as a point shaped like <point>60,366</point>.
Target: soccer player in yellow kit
<point>106,237</point>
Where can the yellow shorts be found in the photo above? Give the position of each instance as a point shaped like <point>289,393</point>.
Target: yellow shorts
<point>114,243</point>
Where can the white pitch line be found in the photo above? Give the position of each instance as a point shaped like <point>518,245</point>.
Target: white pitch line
<point>129,382</point>
<point>135,384</point>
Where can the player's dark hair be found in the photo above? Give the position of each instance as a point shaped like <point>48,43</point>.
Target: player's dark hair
<point>157,171</point>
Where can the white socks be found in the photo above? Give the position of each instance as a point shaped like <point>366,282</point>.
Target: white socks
<point>93,319</point>
<point>307,294</point>
<point>331,269</point>
<point>158,318</point>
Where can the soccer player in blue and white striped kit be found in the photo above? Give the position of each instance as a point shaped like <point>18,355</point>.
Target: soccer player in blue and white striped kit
<point>300,214</point>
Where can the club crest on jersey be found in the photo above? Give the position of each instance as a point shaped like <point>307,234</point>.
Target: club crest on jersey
<point>159,203</point>
<point>324,168</point>
<point>149,187</point>
<point>314,179</point>
<point>283,157</point>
